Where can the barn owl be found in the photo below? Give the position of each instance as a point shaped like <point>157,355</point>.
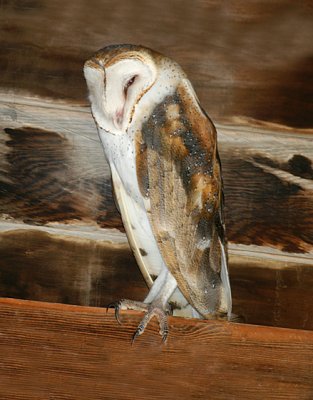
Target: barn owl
<point>162,151</point>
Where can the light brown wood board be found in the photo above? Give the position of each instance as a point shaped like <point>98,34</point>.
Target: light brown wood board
<point>67,352</point>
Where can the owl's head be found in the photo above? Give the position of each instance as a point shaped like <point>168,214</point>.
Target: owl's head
<point>118,79</point>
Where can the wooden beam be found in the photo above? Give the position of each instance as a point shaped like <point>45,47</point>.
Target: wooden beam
<point>53,171</point>
<point>37,265</point>
<point>250,60</point>
<point>69,352</point>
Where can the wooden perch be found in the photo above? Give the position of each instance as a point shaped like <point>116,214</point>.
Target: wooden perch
<point>57,351</point>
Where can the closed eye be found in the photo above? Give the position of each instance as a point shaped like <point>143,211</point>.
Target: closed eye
<point>129,83</point>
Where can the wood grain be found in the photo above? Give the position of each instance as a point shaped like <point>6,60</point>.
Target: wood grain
<point>65,352</point>
<point>271,292</point>
<point>253,60</point>
<point>43,185</point>
<point>39,266</point>
<point>268,191</point>
<point>52,170</point>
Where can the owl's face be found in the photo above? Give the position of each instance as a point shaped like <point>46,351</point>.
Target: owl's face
<point>117,79</point>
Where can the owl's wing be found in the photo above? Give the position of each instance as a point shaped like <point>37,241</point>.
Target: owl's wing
<point>179,176</point>
<point>142,242</point>
<point>125,207</point>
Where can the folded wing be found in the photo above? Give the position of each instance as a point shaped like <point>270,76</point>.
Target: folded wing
<point>179,176</point>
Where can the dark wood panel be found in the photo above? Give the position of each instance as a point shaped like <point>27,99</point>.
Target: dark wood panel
<point>252,59</point>
<point>269,200</point>
<point>272,292</point>
<point>36,265</point>
<point>66,352</point>
<point>40,183</point>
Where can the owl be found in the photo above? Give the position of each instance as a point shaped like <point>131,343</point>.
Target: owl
<point>162,151</point>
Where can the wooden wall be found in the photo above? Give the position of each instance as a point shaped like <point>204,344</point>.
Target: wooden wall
<point>250,59</point>
<point>61,238</point>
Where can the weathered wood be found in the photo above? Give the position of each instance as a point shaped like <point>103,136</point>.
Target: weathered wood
<point>69,352</point>
<point>39,266</point>
<point>268,188</point>
<point>272,292</point>
<point>52,170</point>
<point>252,60</point>
<point>35,265</point>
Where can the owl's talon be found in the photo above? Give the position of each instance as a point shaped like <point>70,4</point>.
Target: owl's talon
<point>151,310</point>
<point>117,314</point>
<point>117,306</point>
<point>137,333</point>
<point>163,327</point>
<point>111,305</point>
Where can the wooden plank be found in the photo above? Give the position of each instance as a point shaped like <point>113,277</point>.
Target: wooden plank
<point>67,352</point>
<point>52,171</point>
<point>39,266</point>
<point>272,292</point>
<point>36,265</point>
<point>252,60</point>
<point>268,188</point>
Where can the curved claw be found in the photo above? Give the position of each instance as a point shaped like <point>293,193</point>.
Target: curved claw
<point>164,328</point>
<point>141,327</point>
<point>116,305</point>
<point>164,337</point>
<point>135,335</point>
<point>151,310</point>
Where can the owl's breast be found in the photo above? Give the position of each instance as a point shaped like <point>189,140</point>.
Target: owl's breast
<point>120,153</point>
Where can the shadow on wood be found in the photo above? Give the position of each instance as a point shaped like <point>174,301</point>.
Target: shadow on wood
<point>252,59</point>
<point>36,265</point>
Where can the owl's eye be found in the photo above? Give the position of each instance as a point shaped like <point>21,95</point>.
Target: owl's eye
<point>129,83</point>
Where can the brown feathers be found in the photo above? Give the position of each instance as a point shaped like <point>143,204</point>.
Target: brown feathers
<point>182,173</point>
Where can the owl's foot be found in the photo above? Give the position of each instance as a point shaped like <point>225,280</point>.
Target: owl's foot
<point>154,310</point>
<point>151,310</point>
